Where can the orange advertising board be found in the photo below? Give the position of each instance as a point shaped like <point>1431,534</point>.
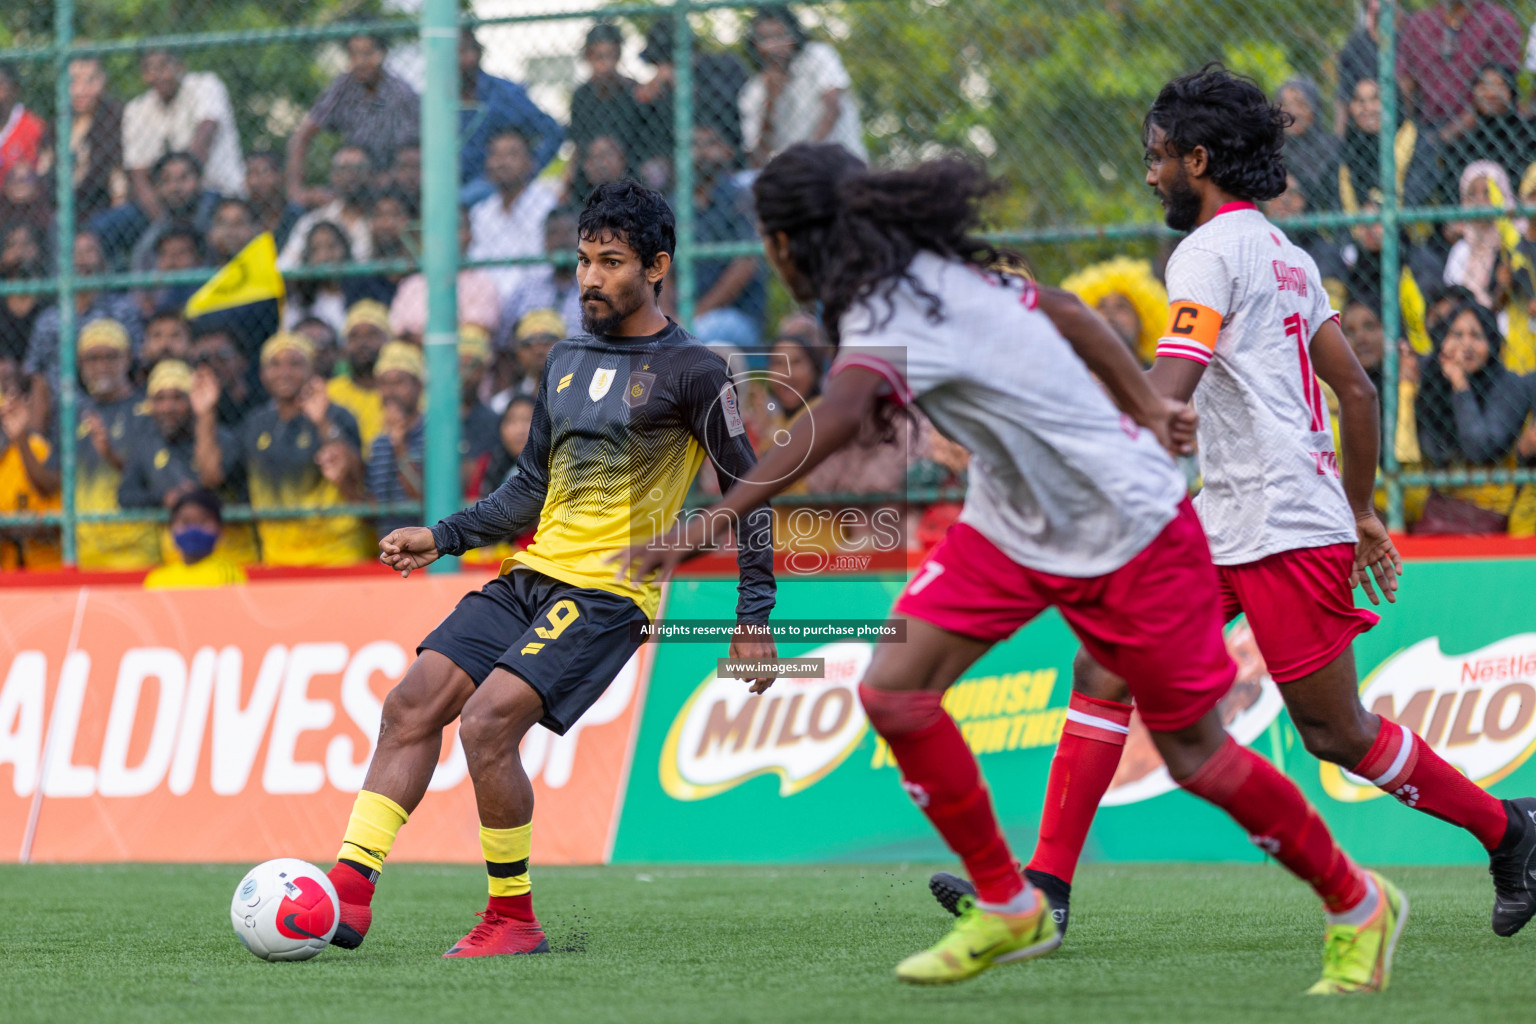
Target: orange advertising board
<point>236,724</point>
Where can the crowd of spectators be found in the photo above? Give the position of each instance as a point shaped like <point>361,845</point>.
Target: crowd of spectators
<point>317,402</point>
<point>1464,137</point>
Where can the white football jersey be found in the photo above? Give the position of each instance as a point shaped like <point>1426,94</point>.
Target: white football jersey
<point>1245,303</point>
<point>1060,481</point>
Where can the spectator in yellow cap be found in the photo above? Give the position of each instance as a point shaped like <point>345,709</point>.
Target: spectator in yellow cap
<point>364,336</point>
<point>477,423</point>
<point>535,333</point>
<point>301,450</point>
<point>109,426</point>
<point>1125,293</point>
<point>183,448</point>
<point>395,458</point>
<point>197,524</point>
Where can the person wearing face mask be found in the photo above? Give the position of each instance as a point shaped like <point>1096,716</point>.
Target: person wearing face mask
<point>197,523</point>
<point>1469,412</point>
<point>732,293</point>
<point>183,447</point>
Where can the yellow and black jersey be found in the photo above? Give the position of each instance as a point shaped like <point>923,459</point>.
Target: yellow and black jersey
<point>620,428</point>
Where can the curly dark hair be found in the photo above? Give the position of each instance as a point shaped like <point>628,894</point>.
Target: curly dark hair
<point>639,216</point>
<point>1242,131</point>
<point>853,231</point>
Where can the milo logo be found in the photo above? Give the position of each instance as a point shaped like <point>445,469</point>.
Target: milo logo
<point>1477,710</point>
<point>800,730</point>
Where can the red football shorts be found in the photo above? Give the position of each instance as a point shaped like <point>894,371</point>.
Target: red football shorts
<point>1300,607</point>
<point>1154,622</point>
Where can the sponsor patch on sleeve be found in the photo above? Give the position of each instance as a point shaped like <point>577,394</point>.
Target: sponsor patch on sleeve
<point>733,421</point>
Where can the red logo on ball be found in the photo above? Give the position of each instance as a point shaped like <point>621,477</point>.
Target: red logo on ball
<point>309,916</point>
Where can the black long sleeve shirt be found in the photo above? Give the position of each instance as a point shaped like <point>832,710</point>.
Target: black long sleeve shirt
<point>620,429</point>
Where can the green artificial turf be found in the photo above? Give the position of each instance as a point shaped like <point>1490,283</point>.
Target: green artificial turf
<point>1229,943</point>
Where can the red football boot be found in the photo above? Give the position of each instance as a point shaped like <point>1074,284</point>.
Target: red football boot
<point>500,933</point>
<point>354,890</point>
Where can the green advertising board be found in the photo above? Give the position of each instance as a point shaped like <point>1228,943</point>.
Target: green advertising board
<point>796,775</point>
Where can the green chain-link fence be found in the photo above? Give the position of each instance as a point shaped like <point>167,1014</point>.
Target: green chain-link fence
<point>378,140</point>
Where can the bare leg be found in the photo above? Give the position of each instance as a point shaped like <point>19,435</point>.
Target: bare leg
<point>931,659</point>
<point>416,712</point>
<point>1326,710</point>
<point>495,721</point>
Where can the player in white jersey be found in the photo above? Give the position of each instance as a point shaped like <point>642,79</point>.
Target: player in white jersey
<point>1072,504</point>
<point>1291,529</point>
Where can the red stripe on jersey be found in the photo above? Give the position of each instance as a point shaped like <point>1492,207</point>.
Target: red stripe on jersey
<point>1183,350</point>
<point>867,361</point>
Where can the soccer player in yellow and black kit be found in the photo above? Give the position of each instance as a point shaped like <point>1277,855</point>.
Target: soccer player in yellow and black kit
<point>624,417</point>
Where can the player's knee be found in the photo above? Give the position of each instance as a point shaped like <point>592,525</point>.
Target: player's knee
<point>482,727</point>
<point>421,705</point>
<point>1337,742</point>
<point>1091,679</point>
<point>900,712</point>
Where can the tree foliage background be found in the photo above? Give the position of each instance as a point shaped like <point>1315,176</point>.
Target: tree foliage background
<point>1050,94</point>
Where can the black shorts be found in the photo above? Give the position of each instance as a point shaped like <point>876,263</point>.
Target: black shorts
<point>566,642</point>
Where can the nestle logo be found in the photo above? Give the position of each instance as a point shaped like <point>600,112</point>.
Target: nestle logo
<point>1490,670</point>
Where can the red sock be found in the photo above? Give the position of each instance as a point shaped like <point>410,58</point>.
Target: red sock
<point>352,886</point>
<point>519,908</point>
<point>940,773</point>
<point>1280,821</point>
<point>1086,758</point>
<point>1402,764</point>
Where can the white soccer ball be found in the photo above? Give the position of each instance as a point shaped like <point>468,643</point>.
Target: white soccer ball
<point>285,909</point>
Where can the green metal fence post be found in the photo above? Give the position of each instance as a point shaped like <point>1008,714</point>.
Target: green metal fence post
<point>1391,321</point>
<point>440,259</point>
<point>63,39</point>
<point>682,159</point>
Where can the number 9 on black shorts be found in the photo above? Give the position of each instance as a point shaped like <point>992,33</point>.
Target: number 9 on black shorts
<point>566,642</point>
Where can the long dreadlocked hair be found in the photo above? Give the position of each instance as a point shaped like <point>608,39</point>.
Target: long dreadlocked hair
<point>853,232</point>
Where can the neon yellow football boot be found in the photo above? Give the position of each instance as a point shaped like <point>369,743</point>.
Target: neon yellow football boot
<point>982,939</point>
<point>1358,958</point>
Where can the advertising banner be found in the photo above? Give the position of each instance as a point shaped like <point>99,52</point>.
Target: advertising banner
<point>236,724</point>
<point>796,774</point>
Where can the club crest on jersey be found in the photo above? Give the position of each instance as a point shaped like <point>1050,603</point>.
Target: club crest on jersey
<point>602,380</point>
<point>639,390</point>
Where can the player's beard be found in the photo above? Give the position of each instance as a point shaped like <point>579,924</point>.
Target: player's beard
<point>612,310</point>
<point>1181,205</point>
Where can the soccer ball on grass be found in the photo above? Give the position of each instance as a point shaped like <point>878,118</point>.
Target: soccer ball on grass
<point>285,909</point>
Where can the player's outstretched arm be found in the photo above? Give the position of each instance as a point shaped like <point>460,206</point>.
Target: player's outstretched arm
<point>511,508</point>
<point>1360,438</point>
<point>1095,342</point>
<point>848,401</point>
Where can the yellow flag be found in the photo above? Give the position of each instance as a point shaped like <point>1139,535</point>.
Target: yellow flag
<point>250,277</point>
<point>1414,309</point>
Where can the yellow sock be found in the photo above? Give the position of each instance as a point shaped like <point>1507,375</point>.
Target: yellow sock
<point>371,830</point>
<point>506,858</point>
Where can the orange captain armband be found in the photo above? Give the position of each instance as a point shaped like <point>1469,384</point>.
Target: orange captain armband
<point>1191,332</point>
